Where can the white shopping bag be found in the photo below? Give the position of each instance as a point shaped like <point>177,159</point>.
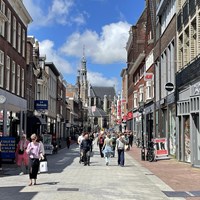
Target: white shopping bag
<point>43,166</point>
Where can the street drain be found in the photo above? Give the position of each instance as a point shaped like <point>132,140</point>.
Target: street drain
<point>149,174</point>
<point>68,189</point>
<point>182,193</point>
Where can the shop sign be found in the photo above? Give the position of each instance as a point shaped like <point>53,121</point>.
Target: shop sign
<point>161,150</point>
<point>129,115</point>
<point>7,147</point>
<point>2,99</point>
<point>41,105</point>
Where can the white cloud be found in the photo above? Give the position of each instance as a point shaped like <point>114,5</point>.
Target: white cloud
<point>58,12</point>
<point>47,48</point>
<point>106,48</point>
<point>98,79</point>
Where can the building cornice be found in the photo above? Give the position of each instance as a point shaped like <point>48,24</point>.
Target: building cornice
<point>21,10</point>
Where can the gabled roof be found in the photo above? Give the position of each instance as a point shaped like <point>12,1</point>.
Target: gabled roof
<point>98,91</point>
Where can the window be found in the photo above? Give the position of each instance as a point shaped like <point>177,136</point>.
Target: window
<point>1,68</point>
<point>7,73</point>
<point>19,38</point>
<point>23,42</point>
<point>9,26</point>
<point>148,90</point>
<point>141,93</point>
<point>14,32</point>
<point>18,80</point>
<point>135,99</point>
<point>13,76</point>
<point>22,83</point>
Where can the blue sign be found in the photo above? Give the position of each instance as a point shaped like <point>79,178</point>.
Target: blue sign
<point>7,147</point>
<point>41,105</point>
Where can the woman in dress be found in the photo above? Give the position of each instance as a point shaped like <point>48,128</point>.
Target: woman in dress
<point>34,150</point>
<point>107,148</point>
<point>22,158</point>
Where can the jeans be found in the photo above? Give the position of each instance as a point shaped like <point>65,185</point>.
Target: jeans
<point>120,157</point>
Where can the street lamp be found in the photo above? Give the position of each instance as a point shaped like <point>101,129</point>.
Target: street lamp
<point>141,109</point>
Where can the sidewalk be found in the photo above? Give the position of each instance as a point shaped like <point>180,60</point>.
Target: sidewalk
<point>178,175</point>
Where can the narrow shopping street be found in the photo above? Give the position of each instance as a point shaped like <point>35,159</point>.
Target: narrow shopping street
<point>68,179</point>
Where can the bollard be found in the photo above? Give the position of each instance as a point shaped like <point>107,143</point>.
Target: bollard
<point>142,154</point>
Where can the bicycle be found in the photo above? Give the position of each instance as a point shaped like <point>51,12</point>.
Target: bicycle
<point>150,156</point>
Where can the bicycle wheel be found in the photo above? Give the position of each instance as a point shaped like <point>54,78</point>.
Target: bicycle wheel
<point>151,156</point>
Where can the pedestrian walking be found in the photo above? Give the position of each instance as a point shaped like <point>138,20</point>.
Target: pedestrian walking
<point>121,142</point>
<point>107,148</point>
<point>85,147</point>
<point>114,139</point>
<point>68,141</point>
<point>80,139</point>
<point>22,158</point>
<point>100,143</point>
<point>34,150</point>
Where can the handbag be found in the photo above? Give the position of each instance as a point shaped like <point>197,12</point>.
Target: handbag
<point>20,151</point>
<point>43,166</point>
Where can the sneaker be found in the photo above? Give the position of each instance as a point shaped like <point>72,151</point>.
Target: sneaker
<point>107,163</point>
<point>21,173</point>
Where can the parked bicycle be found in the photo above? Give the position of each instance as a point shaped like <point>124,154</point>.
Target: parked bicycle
<point>138,143</point>
<point>150,156</point>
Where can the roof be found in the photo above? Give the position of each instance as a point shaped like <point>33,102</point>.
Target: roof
<point>98,91</point>
<point>97,113</point>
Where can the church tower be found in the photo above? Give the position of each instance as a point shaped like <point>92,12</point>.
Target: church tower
<point>83,82</point>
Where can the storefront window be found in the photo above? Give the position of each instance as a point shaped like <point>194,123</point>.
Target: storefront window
<point>186,130</point>
<point>172,130</point>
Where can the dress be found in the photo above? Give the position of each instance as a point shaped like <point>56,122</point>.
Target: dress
<point>21,155</point>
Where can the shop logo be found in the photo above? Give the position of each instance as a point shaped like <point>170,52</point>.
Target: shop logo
<point>2,99</point>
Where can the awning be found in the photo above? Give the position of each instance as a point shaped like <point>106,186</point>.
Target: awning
<point>40,120</point>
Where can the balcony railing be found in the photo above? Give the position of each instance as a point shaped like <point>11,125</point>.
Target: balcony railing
<point>189,73</point>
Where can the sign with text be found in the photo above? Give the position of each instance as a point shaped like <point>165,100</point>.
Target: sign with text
<point>7,147</point>
<point>161,150</point>
<point>41,105</point>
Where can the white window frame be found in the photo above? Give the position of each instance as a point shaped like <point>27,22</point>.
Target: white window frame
<point>18,80</point>
<point>8,73</point>
<point>14,31</point>
<point>22,83</point>
<point>13,76</point>
<point>1,68</point>
<point>135,96</point>
<point>141,93</point>
<point>9,26</point>
<point>19,35</point>
<point>148,90</point>
<point>23,42</point>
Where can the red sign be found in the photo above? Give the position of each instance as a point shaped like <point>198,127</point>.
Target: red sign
<point>129,115</point>
<point>148,76</point>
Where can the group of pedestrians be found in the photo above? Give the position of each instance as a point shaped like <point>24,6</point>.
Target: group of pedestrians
<point>85,141</point>
<point>110,142</point>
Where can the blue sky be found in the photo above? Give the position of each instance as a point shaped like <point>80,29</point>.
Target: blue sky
<point>65,27</point>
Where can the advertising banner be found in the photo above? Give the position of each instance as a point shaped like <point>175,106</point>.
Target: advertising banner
<point>7,147</point>
<point>161,150</point>
<point>47,140</point>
